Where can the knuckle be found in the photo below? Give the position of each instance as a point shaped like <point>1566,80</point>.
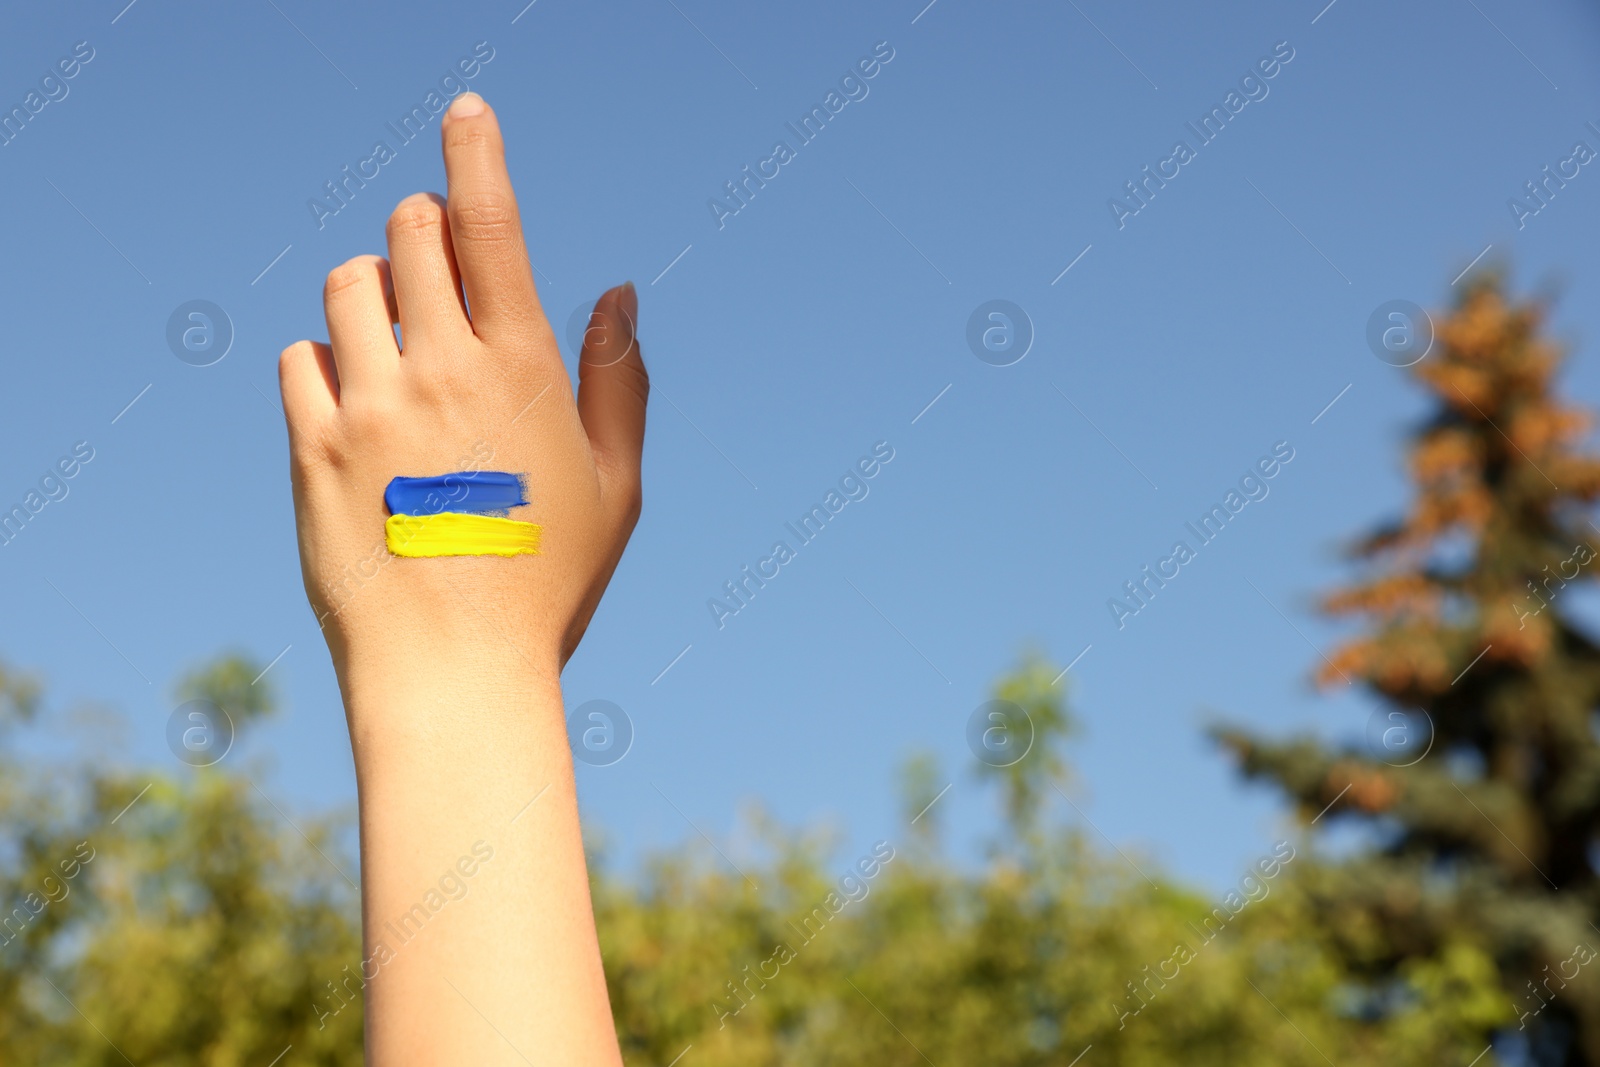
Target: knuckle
<point>415,218</point>
<point>636,379</point>
<point>489,217</point>
<point>471,135</point>
<point>347,275</point>
<point>313,450</point>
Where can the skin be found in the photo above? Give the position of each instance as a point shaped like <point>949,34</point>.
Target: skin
<point>450,667</point>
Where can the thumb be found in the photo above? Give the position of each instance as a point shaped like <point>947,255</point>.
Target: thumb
<point>612,390</point>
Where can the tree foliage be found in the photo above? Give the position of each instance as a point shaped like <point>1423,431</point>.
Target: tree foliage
<point>168,918</point>
<point>1480,791</point>
<point>200,928</point>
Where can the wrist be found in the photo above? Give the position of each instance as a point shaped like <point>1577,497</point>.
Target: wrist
<point>439,706</point>
<point>408,668</point>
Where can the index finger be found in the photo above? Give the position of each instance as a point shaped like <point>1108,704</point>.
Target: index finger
<point>485,227</point>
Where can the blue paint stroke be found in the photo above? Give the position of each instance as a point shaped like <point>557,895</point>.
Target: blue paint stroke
<point>473,492</point>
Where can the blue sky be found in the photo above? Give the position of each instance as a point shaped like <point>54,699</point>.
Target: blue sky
<point>820,319</point>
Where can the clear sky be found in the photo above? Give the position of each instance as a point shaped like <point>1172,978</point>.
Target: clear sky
<point>785,341</point>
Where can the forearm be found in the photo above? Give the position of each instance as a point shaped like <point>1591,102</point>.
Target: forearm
<point>480,944</point>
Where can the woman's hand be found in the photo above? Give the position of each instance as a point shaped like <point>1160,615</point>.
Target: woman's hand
<point>476,384</point>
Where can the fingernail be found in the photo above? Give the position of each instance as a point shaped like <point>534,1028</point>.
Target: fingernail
<point>467,105</point>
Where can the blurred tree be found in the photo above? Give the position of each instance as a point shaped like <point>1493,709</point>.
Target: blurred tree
<point>182,922</point>
<point>170,919</point>
<point>1480,785</point>
<point>1025,784</point>
<point>1031,960</point>
<point>19,697</point>
<point>233,682</point>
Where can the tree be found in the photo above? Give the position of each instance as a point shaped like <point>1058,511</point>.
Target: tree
<point>169,918</point>
<point>1479,792</point>
<point>197,928</point>
<point>1050,947</point>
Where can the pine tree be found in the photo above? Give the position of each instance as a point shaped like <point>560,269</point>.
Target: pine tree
<point>1479,786</point>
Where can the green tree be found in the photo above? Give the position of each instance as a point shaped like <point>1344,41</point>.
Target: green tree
<point>201,929</point>
<point>170,917</point>
<point>1480,791</point>
<point>1043,951</point>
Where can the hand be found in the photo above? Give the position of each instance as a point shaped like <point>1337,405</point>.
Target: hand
<point>477,384</point>
<point>450,666</point>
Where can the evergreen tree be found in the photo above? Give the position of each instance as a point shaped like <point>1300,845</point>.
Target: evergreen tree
<point>1479,786</point>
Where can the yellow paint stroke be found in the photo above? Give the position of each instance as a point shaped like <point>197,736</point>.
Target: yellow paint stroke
<point>451,533</point>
